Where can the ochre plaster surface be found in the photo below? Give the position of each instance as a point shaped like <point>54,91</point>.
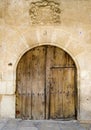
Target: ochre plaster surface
<point>18,35</point>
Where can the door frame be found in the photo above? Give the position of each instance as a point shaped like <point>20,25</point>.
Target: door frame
<point>77,68</point>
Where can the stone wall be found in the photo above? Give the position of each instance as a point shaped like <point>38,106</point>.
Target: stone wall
<point>20,32</point>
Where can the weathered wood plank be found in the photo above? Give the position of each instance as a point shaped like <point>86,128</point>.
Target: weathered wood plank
<point>38,83</point>
<point>56,103</point>
<point>69,93</point>
<point>49,59</point>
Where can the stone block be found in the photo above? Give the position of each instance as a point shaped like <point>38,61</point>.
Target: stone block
<point>27,128</point>
<point>49,126</point>
<point>7,106</point>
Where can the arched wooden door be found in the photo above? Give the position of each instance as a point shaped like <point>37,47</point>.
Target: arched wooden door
<point>46,84</point>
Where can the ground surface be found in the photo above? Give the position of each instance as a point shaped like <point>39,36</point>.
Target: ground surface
<point>11,124</point>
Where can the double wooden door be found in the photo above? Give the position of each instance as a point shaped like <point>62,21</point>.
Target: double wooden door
<point>46,84</point>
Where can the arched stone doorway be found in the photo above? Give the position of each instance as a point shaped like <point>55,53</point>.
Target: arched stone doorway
<point>46,84</point>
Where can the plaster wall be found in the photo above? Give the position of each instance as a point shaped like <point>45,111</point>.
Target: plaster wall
<point>18,35</point>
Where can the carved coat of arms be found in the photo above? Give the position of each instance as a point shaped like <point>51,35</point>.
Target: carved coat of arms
<point>45,12</point>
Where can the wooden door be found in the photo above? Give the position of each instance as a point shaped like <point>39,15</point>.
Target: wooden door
<point>62,89</point>
<point>30,100</point>
<point>46,84</point>
<point>62,93</point>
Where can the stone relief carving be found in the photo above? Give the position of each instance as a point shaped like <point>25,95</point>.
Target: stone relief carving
<point>45,12</point>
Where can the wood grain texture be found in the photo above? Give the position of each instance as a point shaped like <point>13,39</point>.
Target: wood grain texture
<point>46,84</point>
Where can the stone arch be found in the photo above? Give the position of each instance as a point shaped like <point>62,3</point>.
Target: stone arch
<point>52,44</point>
<point>67,50</point>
